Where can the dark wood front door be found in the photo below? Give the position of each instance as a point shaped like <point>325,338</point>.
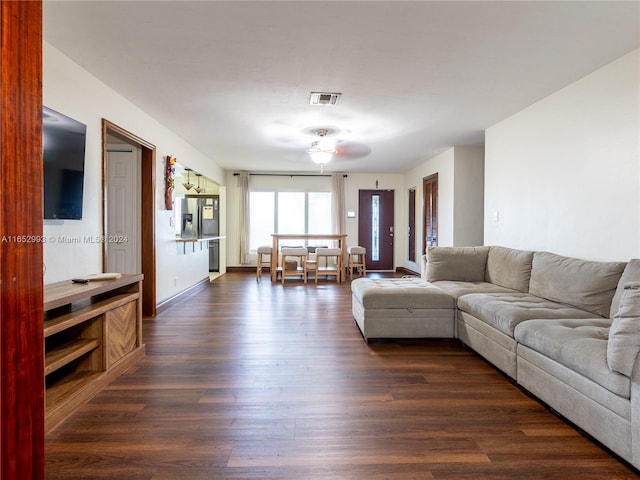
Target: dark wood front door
<point>375,227</point>
<point>430,212</point>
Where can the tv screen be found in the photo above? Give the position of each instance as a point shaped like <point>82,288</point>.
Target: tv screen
<point>63,147</point>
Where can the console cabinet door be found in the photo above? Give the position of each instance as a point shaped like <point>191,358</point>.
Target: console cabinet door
<point>120,332</point>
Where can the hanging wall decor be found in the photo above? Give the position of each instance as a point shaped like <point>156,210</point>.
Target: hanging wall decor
<point>169,170</point>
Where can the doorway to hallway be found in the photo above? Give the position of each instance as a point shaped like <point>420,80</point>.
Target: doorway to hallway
<point>145,222</point>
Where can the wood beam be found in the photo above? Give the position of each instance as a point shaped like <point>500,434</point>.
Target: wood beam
<point>21,265</point>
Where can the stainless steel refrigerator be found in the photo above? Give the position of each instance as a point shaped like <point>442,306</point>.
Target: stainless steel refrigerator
<point>201,219</point>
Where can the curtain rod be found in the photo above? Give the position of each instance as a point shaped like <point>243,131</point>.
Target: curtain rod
<point>235,174</point>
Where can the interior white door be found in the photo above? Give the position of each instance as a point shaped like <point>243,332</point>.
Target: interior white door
<point>123,209</point>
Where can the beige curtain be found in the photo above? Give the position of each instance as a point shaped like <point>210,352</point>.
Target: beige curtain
<point>337,203</point>
<point>244,217</point>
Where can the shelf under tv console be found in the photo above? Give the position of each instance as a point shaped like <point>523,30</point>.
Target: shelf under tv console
<point>93,334</point>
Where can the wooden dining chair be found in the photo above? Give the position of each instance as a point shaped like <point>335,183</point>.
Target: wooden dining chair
<point>293,261</point>
<point>332,259</point>
<point>263,252</point>
<point>357,259</point>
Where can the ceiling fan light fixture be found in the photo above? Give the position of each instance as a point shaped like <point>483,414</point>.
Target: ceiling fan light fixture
<point>320,157</point>
<point>321,151</point>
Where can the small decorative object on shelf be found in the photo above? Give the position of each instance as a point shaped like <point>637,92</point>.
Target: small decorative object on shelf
<point>169,170</point>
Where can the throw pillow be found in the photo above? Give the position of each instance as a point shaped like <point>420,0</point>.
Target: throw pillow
<point>462,264</point>
<point>624,335</point>
<point>509,268</point>
<point>584,284</point>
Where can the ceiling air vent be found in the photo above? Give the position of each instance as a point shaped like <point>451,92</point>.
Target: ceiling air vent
<point>324,98</point>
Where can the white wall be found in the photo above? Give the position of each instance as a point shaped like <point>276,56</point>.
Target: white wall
<point>443,165</point>
<point>460,198</point>
<point>73,91</point>
<point>468,208</point>
<point>564,174</point>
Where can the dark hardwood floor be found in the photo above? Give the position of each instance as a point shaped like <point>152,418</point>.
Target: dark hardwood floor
<point>246,380</point>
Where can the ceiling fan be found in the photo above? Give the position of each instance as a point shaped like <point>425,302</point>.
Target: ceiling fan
<point>326,145</point>
<point>322,150</point>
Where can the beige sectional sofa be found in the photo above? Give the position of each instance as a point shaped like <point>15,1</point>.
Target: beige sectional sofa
<point>565,329</point>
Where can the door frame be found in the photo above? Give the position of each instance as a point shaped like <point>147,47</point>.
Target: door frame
<point>147,207</point>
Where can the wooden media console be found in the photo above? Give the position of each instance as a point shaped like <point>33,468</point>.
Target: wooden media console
<point>92,334</point>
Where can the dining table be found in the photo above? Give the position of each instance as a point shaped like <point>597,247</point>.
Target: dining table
<point>341,238</point>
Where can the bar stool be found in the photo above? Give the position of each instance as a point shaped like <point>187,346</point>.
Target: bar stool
<point>299,254</point>
<point>357,259</point>
<point>329,253</point>
<point>261,262</point>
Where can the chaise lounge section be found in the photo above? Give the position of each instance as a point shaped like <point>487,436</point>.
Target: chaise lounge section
<point>565,329</point>
<point>402,308</point>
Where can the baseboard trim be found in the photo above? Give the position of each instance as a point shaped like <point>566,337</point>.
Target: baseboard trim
<point>160,307</point>
<point>252,269</point>
<point>243,269</point>
<point>406,271</point>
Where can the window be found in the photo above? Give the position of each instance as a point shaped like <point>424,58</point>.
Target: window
<point>288,212</point>
<point>412,225</point>
<point>319,215</point>
<point>291,212</point>
<point>375,228</point>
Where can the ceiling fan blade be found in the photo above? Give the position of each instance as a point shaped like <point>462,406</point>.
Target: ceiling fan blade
<point>346,149</point>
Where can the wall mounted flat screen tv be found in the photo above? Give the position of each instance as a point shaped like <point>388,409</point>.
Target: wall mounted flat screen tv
<point>63,149</point>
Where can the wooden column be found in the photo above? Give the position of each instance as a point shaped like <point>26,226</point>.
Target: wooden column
<point>21,267</point>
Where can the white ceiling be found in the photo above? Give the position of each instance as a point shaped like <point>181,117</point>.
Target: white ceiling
<point>233,78</point>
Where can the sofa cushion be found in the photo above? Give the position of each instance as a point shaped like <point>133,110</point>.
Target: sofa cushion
<point>578,344</point>
<point>631,274</point>
<point>624,335</point>
<point>405,293</point>
<point>505,311</point>
<point>509,268</point>
<point>587,285</point>
<point>464,264</point>
<point>457,289</point>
